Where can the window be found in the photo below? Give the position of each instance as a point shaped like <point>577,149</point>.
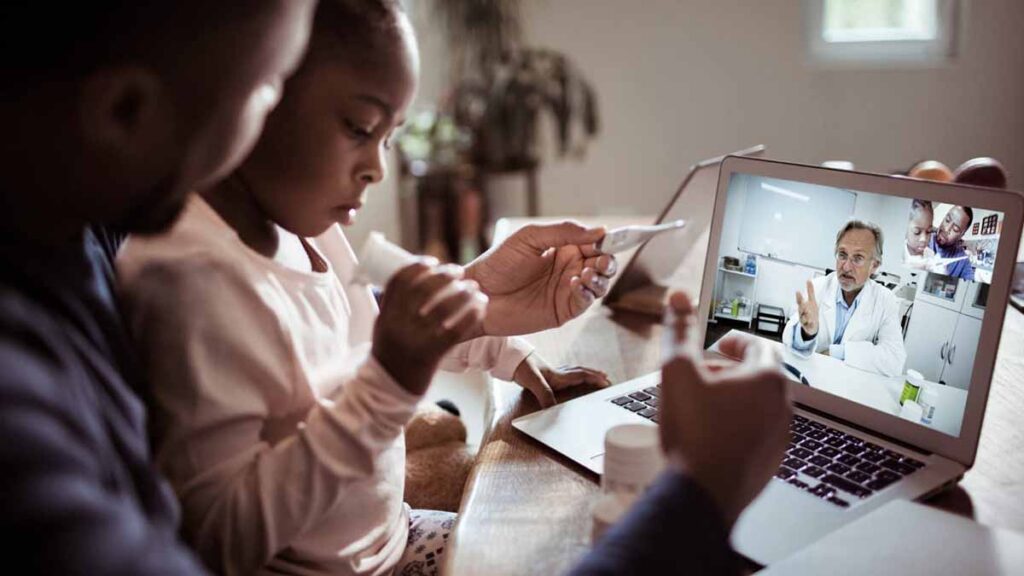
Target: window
<point>880,32</point>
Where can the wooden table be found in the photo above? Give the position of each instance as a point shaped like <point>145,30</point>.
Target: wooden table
<point>526,509</point>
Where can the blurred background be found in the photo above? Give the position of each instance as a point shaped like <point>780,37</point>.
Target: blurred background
<point>597,107</point>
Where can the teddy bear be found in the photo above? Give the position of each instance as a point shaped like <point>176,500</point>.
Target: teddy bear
<point>437,458</point>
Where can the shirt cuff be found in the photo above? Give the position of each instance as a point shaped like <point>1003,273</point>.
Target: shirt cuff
<point>837,351</point>
<point>512,355</point>
<point>799,344</point>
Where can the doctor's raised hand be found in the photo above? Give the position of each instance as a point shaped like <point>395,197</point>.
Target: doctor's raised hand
<point>807,308</point>
<point>541,277</point>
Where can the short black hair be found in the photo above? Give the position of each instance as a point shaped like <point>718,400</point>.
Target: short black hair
<point>918,205</point>
<point>355,27</point>
<point>40,41</point>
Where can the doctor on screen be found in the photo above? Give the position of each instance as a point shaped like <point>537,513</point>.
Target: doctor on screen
<point>845,314</point>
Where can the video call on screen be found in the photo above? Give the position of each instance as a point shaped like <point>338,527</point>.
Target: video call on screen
<point>893,326</point>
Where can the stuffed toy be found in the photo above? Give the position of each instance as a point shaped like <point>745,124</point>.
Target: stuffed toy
<point>437,458</point>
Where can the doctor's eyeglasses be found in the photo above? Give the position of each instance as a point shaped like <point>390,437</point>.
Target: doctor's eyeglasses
<point>858,260</point>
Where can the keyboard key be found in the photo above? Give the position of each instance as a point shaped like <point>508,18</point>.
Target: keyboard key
<point>846,486</point>
<point>635,406</point>
<point>654,418</point>
<point>875,457</point>
<point>652,402</point>
<point>794,463</point>
<point>849,459</point>
<point>653,391</point>
<point>899,467</point>
<point>814,424</point>
<point>873,447</point>
<point>854,449</point>
<point>819,460</point>
<point>852,439</point>
<point>837,468</point>
<point>813,471</point>
<point>802,453</point>
<point>817,434</point>
<point>835,441</point>
<point>868,467</point>
<point>801,429</point>
<point>639,396</point>
<point>785,473</point>
<point>799,418</point>
<point>790,446</point>
<point>839,502</point>
<point>887,475</point>
<point>828,452</point>
<point>822,491</point>
<point>622,400</point>
<point>798,438</point>
<point>879,484</point>
<point>811,444</point>
<point>893,455</point>
<point>858,476</point>
<point>798,483</point>
<point>911,462</point>
<point>648,412</point>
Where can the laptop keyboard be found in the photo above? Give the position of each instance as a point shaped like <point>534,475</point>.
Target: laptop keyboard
<point>831,464</point>
<point>643,403</point>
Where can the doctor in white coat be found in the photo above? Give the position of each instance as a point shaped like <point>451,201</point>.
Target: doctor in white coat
<point>845,314</point>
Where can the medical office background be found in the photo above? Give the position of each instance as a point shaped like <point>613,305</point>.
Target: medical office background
<point>683,80</point>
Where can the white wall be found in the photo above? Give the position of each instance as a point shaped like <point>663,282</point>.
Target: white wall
<point>778,281</point>
<point>681,80</point>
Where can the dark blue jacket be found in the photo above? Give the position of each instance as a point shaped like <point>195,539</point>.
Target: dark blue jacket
<point>79,493</point>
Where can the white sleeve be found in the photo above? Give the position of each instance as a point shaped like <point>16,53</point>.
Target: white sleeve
<point>500,355</point>
<point>793,340</point>
<point>887,355</point>
<point>217,359</point>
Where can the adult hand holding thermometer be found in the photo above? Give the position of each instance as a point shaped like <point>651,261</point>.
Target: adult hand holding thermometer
<point>621,239</point>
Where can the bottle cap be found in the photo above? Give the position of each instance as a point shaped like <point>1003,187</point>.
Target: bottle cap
<point>915,378</point>
<point>632,457</point>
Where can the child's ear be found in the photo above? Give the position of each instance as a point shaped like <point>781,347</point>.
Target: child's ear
<point>121,110</point>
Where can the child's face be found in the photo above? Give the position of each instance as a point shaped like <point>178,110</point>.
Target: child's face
<point>919,229</point>
<point>328,140</point>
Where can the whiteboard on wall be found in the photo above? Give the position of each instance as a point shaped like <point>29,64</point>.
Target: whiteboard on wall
<point>794,221</point>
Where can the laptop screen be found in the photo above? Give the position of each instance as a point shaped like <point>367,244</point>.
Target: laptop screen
<point>877,299</point>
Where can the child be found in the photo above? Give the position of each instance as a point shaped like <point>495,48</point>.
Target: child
<point>919,229</point>
<point>279,394</point>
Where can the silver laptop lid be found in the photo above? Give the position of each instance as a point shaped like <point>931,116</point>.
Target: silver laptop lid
<point>659,264</point>
<point>935,307</point>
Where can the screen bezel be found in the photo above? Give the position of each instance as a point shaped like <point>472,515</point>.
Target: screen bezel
<point>963,448</point>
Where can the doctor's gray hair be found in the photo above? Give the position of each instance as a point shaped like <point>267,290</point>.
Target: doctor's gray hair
<point>855,224</point>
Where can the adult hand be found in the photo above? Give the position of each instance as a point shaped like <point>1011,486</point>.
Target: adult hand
<point>541,277</point>
<point>723,423</point>
<point>543,380</point>
<point>807,308</point>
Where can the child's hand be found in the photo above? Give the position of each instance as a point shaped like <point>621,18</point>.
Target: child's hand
<point>425,311</point>
<point>541,379</point>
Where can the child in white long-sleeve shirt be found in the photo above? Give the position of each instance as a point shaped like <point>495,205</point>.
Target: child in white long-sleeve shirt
<point>279,393</point>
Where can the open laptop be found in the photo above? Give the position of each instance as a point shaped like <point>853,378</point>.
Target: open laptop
<point>660,264</point>
<point>851,451</point>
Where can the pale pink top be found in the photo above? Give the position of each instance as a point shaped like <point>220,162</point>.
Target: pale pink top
<point>281,434</point>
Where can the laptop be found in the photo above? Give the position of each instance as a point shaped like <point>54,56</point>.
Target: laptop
<point>659,265</point>
<point>857,441</point>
